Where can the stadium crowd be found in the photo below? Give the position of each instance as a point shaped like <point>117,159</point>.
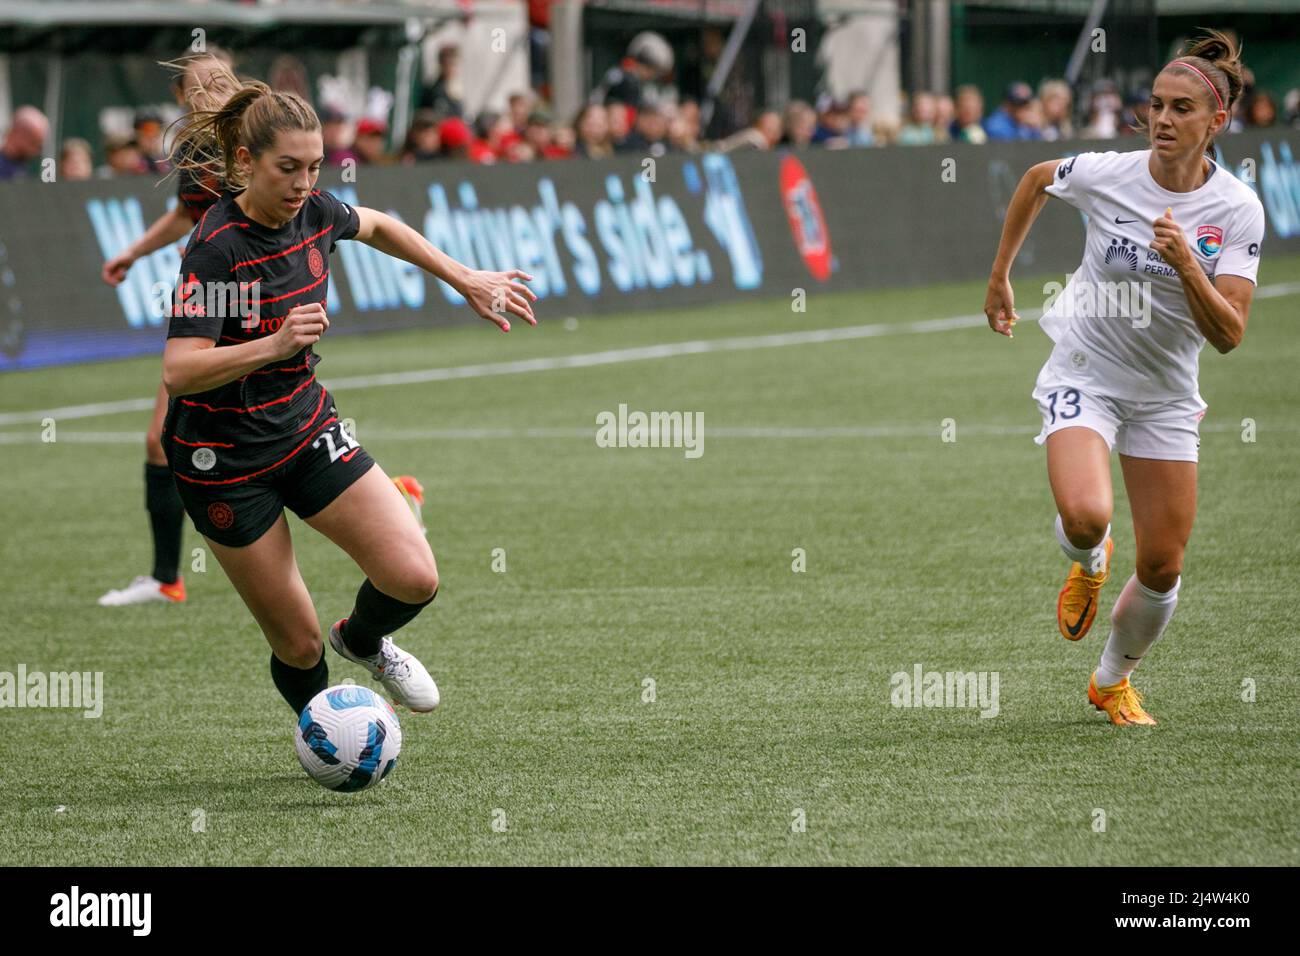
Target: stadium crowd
<point>636,110</point>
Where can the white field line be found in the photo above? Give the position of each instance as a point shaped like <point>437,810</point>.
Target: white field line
<point>591,359</point>
<point>553,363</point>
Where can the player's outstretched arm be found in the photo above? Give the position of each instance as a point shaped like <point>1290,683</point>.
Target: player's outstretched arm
<point>1025,205</point>
<point>491,294</point>
<point>167,228</point>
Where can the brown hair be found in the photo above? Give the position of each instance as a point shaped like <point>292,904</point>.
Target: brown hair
<point>252,117</point>
<point>187,84</point>
<point>1217,56</point>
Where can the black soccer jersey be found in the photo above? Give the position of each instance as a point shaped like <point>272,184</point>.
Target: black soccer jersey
<point>239,279</point>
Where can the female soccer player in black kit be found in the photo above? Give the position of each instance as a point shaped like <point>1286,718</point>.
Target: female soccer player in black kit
<point>201,83</point>
<point>250,429</point>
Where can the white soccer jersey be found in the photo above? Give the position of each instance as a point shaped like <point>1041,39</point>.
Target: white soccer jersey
<point>1122,325</point>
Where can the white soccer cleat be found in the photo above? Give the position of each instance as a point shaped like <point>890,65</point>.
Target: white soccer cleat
<point>407,681</point>
<point>143,590</point>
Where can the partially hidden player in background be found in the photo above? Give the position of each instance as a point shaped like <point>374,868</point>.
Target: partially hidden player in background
<point>1172,217</point>
<point>199,83</point>
<point>250,430</point>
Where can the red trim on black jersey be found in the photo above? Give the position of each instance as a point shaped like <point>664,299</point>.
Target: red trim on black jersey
<point>261,471</point>
<point>306,288</point>
<point>250,408</point>
<point>283,368</point>
<point>201,444</point>
<point>220,229</point>
<point>284,252</point>
<point>319,405</point>
<point>204,218</point>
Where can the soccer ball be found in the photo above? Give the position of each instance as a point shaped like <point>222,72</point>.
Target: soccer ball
<point>348,738</point>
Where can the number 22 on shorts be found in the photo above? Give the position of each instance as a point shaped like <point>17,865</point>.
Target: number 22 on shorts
<point>345,450</point>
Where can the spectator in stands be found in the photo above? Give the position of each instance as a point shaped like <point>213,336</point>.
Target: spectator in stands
<point>649,137</point>
<point>149,140</point>
<point>1291,102</point>
<point>75,161</point>
<point>766,133</point>
<point>919,128</point>
<point>641,76</point>
<point>122,157</point>
<point>1057,104</point>
<point>944,112</point>
<point>832,123</point>
<point>859,131</point>
<point>541,138</point>
<point>455,138</point>
<point>1103,112</point>
<point>497,133</point>
<point>684,127</point>
<point>23,143</point>
<point>539,42</point>
<point>1011,120</point>
<point>369,142</point>
<point>968,126</point>
<point>336,136</point>
<point>619,116</point>
<point>886,129</point>
<point>565,139</point>
<point>446,94</point>
<point>799,123</point>
<point>521,107</point>
<point>1137,107</point>
<point>1262,110</point>
<point>591,128</point>
<point>421,144</point>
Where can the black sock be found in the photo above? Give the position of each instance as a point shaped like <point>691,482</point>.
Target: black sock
<point>166,518</point>
<point>375,616</point>
<point>298,686</point>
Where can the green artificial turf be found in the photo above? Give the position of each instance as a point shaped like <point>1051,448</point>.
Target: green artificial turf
<point>771,687</point>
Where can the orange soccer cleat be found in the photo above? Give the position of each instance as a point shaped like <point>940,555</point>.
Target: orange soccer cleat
<point>1121,702</point>
<point>1076,605</point>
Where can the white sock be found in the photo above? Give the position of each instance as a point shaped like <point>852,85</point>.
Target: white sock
<point>1092,559</point>
<point>1136,623</point>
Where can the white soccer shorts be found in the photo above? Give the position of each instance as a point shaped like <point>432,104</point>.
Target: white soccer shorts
<point>1169,431</point>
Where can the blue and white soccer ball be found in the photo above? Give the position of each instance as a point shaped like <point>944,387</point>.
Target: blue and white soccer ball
<point>348,738</point>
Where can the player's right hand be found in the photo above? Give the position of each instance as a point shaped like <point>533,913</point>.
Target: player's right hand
<point>115,269</point>
<point>1000,308</point>
<point>303,326</point>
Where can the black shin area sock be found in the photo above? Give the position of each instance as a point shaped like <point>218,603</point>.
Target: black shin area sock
<point>298,686</point>
<point>375,616</point>
<point>166,517</point>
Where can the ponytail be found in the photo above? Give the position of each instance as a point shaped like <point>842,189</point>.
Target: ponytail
<point>252,117</point>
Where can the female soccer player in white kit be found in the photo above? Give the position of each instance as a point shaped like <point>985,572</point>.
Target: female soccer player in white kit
<point>1172,251</point>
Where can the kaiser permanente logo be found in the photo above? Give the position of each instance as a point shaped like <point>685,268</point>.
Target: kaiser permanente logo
<point>74,690</point>
<point>636,237</point>
<point>76,908</point>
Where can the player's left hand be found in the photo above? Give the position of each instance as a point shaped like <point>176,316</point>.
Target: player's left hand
<point>1171,243</point>
<point>496,295</point>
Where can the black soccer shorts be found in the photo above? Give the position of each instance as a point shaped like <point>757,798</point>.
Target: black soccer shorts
<point>236,515</point>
